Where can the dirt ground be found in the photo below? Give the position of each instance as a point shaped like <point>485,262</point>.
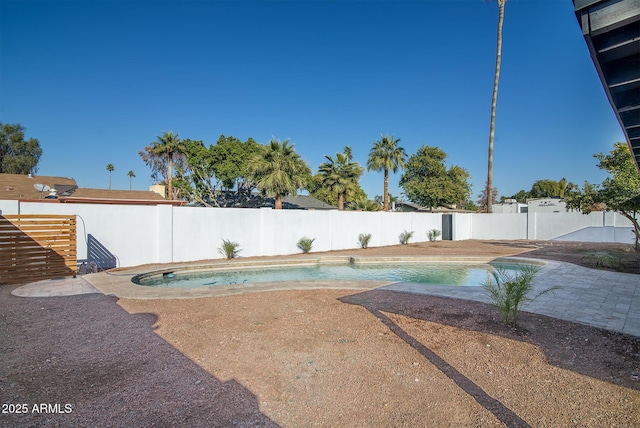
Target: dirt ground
<point>320,357</point>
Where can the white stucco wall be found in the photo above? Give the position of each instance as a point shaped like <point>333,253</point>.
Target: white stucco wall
<point>138,235</point>
<point>499,226</point>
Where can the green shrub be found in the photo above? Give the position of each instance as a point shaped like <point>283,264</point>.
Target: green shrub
<point>363,240</point>
<point>605,260</point>
<point>508,290</point>
<point>229,249</point>
<point>405,236</point>
<point>305,244</point>
<point>433,234</point>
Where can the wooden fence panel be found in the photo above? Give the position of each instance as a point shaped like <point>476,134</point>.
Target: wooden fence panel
<point>35,247</point>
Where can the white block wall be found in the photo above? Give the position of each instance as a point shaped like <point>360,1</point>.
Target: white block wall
<point>138,235</point>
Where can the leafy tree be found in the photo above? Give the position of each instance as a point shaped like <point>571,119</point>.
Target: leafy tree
<point>341,175</point>
<point>483,201</point>
<point>429,183</point>
<point>207,172</point>
<point>549,188</point>
<point>544,188</point>
<point>619,192</point>
<point>195,174</point>
<point>521,196</point>
<point>131,175</point>
<point>494,102</point>
<point>110,168</point>
<point>278,170</point>
<point>385,155</point>
<point>230,158</point>
<point>18,156</point>
<point>161,156</point>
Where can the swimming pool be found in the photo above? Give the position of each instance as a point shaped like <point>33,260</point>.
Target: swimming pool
<point>465,275</point>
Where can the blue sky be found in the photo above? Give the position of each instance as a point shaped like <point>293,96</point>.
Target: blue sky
<point>97,81</point>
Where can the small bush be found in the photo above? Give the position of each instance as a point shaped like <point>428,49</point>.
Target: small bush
<point>229,249</point>
<point>405,236</point>
<point>363,240</point>
<point>605,260</point>
<point>433,234</point>
<point>305,244</point>
<point>508,290</point>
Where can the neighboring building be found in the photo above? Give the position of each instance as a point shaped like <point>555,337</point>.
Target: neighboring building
<point>129,197</point>
<point>547,205</point>
<point>304,202</point>
<point>34,187</point>
<point>160,189</point>
<point>65,190</point>
<point>510,206</point>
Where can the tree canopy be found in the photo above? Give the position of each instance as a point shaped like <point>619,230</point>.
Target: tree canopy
<point>17,155</point>
<point>161,155</point>
<point>278,170</point>
<point>385,155</point>
<point>618,192</point>
<point>340,176</point>
<point>545,188</point>
<point>209,173</point>
<point>429,183</point>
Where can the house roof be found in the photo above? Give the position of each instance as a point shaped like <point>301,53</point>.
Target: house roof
<point>305,202</point>
<point>21,186</point>
<point>232,199</point>
<point>103,196</point>
<point>611,30</point>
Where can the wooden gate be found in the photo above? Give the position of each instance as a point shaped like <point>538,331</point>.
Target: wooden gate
<point>35,247</point>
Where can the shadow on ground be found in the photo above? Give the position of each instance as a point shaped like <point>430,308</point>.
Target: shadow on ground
<point>109,366</point>
<point>594,352</point>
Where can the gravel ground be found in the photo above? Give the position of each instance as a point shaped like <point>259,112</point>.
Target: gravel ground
<point>311,358</point>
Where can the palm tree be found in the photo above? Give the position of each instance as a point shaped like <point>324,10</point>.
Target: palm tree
<point>341,175</point>
<point>168,146</point>
<point>364,204</point>
<point>278,170</point>
<point>110,168</point>
<point>131,175</point>
<point>494,101</point>
<point>386,155</point>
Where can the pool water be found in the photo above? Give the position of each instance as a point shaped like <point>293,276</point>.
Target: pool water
<point>424,273</point>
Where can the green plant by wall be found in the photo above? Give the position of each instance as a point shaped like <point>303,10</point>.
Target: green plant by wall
<point>305,244</point>
<point>229,249</point>
<point>508,290</point>
<point>405,236</point>
<point>363,240</point>
<point>433,234</point>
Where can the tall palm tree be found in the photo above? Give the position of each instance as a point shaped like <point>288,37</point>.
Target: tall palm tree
<point>130,174</point>
<point>167,146</point>
<point>385,155</point>
<point>341,175</point>
<point>110,168</point>
<point>278,170</point>
<point>494,101</point>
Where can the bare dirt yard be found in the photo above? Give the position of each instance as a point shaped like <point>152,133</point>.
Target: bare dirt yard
<point>319,357</point>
